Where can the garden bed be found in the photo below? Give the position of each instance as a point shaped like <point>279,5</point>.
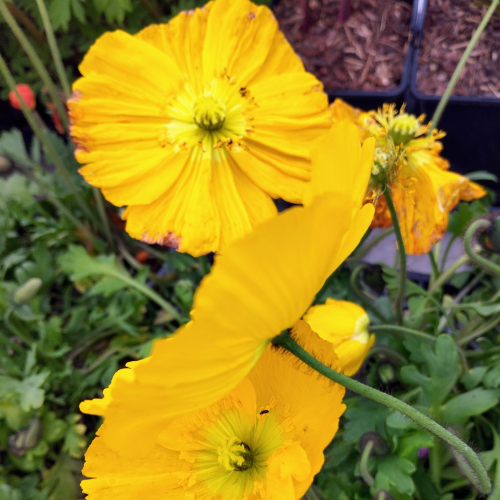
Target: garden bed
<point>367,52</point>
<point>448,28</point>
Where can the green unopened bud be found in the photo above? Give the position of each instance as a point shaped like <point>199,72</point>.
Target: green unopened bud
<point>26,438</point>
<point>383,495</point>
<point>27,291</point>
<point>489,237</point>
<point>386,373</point>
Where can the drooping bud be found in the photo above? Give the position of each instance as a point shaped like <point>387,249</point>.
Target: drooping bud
<point>27,291</point>
<point>489,237</point>
<point>26,438</point>
<point>386,373</point>
<point>26,94</point>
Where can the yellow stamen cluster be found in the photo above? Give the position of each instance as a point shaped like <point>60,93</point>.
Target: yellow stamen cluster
<point>234,455</point>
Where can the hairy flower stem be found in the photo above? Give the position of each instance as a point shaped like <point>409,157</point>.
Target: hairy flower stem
<point>35,60</point>
<point>398,302</point>
<point>482,481</point>
<point>54,49</point>
<point>486,264</point>
<point>404,331</point>
<point>460,66</point>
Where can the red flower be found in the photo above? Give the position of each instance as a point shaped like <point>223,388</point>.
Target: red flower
<point>26,94</point>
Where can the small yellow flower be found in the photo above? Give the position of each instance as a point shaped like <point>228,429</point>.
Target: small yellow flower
<point>259,287</point>
<point>197,124</point>
<point>409,162</point>
<point>263,439</point>
<point>345,325</point>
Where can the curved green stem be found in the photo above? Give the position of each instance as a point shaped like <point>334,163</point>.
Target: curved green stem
<point>35,60</point>
<point>398,302</point>
<point>460,66</point>
<point>486,264</point>
<point>363,250</point>
<point>354,286</point>
<point>403,330</point>
<point>363,464</point>
<point>285,341</point>
<point>448,273</point>
<point>54,49</point>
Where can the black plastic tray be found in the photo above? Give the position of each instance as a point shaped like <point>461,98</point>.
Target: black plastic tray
<point>472,124</point>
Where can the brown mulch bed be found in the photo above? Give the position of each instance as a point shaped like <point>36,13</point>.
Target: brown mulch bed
<point>449,25</point>
<point>364,53</point>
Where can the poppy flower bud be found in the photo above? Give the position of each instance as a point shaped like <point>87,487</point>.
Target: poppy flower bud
<point>386,373</point>
<point>26,94</point>
<point>489,237</point>
<point>27,291</point>
<point>383,495</point>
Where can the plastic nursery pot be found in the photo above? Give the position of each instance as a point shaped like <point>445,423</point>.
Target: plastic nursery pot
<point>472,124</point>
<point>367,99</point>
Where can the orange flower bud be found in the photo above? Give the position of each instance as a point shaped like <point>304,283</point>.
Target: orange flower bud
<point>26,94</point>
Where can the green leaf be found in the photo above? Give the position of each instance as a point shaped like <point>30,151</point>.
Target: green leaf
<point>63,479</point>
<point>463,215</point>
<point>74,440</point>
<point>442,371</point>
<point>468,404</point>
<point>60,14</point>
<point>12,146</point>
<point>397,472</point>
<point>358,423</point>
<point>28,390</point>
<point>409,444</point>
<point>482,175</point>
<point>108,286</point>
<point>492,379</point>
<point>473,377</point>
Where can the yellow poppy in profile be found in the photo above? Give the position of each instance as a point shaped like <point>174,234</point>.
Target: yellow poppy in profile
<point>259,287</point>
<point>263,439</point>
<point>423,190</point>
<point>197,124</point>
<point>345,326</point>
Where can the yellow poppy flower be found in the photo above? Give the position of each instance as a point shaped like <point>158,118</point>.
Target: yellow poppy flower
<point>344,325</point>
<point>263,439</point>
<point>197,124</point>
<point>259,287</point>
<point>424,191</point>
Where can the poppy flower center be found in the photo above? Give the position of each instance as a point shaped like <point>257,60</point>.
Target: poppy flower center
<point>209,113</point>
<point>234,455</point>
<point>403,128</point>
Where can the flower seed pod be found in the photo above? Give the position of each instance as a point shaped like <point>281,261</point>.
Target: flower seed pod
<point>27,291</point>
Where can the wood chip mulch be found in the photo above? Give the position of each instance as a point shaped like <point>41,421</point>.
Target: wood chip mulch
<point>366,52</point>
<point>449,25</point>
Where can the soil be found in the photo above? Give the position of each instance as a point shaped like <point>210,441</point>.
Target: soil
<point>366,52</point>
<point>449,25</point>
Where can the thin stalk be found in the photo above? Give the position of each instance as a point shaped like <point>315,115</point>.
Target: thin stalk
<point>42,137</point>
<point>435,463</point>
<point>433,257</point>
<point>366,304</point>
<point>446,252</point>
<point>398,302</point>
<point>285,341</point>
<point>54,49</point>
<point>35,60</point>
<point>486,326</point>
<point>461,64</point>
<point>486,264</point>
<point>365,249</point>
<point>99,201</point>
<point>363,464</point>
<point>446,275</point>
<point>404,331</point>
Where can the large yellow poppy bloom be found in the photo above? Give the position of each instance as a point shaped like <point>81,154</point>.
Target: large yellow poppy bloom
<point>262,440</point>
<point>197,124</point>
<point>424,191</point>
<point>259,287</point>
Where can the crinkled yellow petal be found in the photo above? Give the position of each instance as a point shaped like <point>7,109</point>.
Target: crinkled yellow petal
<point>249,297</point>
<point>424,200</point>
<point>340,111</point>
<point>309,404</point>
